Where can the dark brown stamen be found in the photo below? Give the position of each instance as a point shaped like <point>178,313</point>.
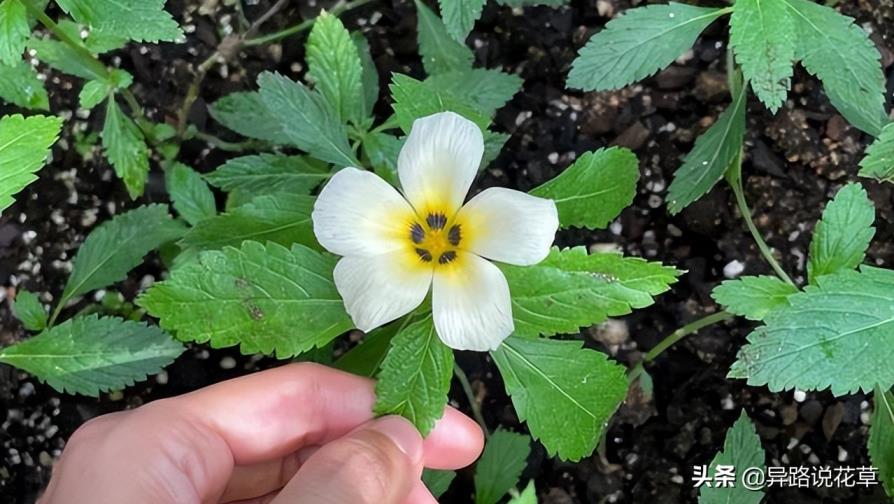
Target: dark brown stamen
<point>447,257</point>
<point>454,235</point>
<point>417,234</point>
<point>436,221</point>
<point>425,255</point>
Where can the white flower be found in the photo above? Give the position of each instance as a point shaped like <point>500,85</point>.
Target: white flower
<point>395,246</point>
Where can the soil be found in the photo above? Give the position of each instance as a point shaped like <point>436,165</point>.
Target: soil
<point>796,160</point>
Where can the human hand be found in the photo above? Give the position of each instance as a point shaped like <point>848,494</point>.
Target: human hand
<point>297,433</point>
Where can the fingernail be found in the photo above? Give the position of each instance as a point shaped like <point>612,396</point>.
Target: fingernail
<point>404,435</point>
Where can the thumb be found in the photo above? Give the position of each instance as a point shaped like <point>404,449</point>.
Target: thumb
<point>376,464</point>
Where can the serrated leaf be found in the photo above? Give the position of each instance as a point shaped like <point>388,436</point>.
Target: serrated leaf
<point>14,31</point>
<point>333,65</point>
<point>527,496</point>
<point>191,196</point>
<point>415,376</point>
<point>486,89</point>
<point>753,297</point>
<point>493,145</point>
<point>440,52</point>
<point>24,147</point>
<point>126,149</point>
<point>460,16</point>
<point>30,311</point>
<point>269,173</point>
<point>437,481</point>
<point>62,58</point>
<point>840,54</point>
<point>413,99</point>
<point>366,358</point>
<point>20,86</point>
<point>762,35</point>
<point>281,218</point>
<point>712,155</point>
<point>119,245</point>
<point>841,237</point>
<point>638,44</point>
<point>881,438</point>
<point>592,192</point>
<point>837,334</point>
<point>879,160</point>
<point>139,20</point>
<point>306,119</point>
<point>87,355</point>
<point>741,449</point>
<point>565,393</point>
<point>95,91</point>
<point>504,458</point>
<point>96,41</point>
<point>571,289</point>
<point>245,113</point>
<point>382,151</point>
<point>266,299</point>
<point>369,76</point>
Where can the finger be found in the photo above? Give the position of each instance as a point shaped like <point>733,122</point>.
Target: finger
<point>455,442</point>
<point>252,481</point>
<point>375,464</point>
<point>419,494</point>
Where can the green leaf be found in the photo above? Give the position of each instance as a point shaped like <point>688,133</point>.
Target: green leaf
<point>126,149</point>
<point>246,114</point>
<point>840,54</point>
<point>592,192</point>
<point>95,91</point>
<point>415,376</point>
<point>119,245</point>
<point>191,196</point>
<point>413,99</point>
<point>440,52</point>
<point>842,236</point>
<point>89,355</point>
<point>369,76</point>
<point>486,89</point>
<point>265,299</point>
<point>333,65</point>
<point>741,449</point>
<point>762,35</point>
<point>638,44</point>
<point>571,289</point>
<point>753,297</point>
<point>879,160</point>
<point>493,145</point>
<point>881,439</point>
<point>14,31</point>
<point>139,20</point>
<point>24,147</point>
<point>382,150</point>
<point>504,458</point>
<point>306,119</point>
<point>30,311</point>
<point>366,358</point>
<point>269,173</point>
<point>526,3</point>
<point>528,495</point>
<point>63,58</point>
<point>20,86</point>
<point>437,481</point>
<point>712,155</point>
<point>460,16</point>
<point>96,41</point>
<point>564,392</point>
<point>838,333</point>
<point>281,218</point>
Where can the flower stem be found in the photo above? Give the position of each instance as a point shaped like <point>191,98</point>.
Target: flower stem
<point>470,395</point>
<point>734,177</point>
<point>674,337</point>
<point>339,8</point>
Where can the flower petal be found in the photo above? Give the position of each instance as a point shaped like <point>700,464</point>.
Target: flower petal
<point>509,226</point>
<point>439,161</point>
<point>471,305</point>
<point>379,289</point>
<point>358,213</point>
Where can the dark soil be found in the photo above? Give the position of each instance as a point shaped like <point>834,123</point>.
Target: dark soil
<point>796,161</point>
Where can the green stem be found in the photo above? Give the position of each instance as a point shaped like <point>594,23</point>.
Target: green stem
<point>675,337</point>
<point>97,66</point>
<point>230,146</point>
<point>735,181</point>
<point>470,395</point>
<point>340,8</point>
<point>56,311</point>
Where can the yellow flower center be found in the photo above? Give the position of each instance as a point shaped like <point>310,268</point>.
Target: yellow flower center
<point>435,240</point>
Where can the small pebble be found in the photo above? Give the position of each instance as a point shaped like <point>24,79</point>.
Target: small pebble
<point>733,269</point>
<point>162,378</point>
<point>842,454</point>
<point>800,395</point>
<point>227,363</point>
